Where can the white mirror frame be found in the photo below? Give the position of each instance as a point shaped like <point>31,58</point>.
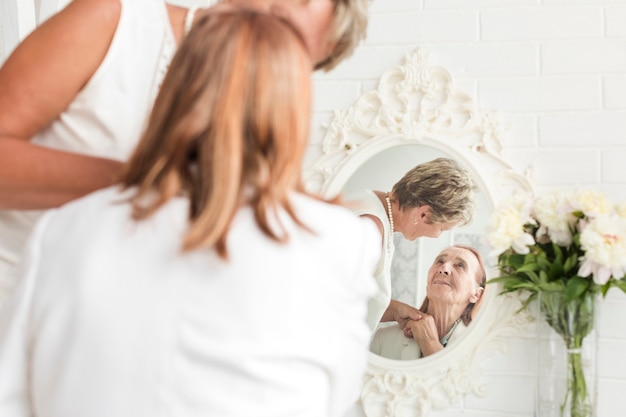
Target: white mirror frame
<point>416,103</point>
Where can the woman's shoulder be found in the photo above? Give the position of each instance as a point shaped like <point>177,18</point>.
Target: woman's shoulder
<point>364,196</point>
<point>106,215</point>
<point>93,205</point>
<point>332,213</point>
<point>109,11</point>
<point>337,222</point>
<point>365,202</point>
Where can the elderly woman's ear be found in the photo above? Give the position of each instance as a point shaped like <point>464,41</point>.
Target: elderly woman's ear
<point>478,302</point>
<point>477,295</point>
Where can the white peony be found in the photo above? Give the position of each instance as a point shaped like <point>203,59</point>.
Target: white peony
<point>591,203</point>
<point>506,226</point>
<point>554,213</point>
<point>604,243</point>
<point>620,209</point>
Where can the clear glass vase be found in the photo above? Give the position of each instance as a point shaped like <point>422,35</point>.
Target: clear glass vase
<point>567,377</point>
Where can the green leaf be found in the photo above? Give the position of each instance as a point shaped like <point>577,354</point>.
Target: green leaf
<point>513,260</point>
<point>558,253</point>
<point>543,262</point>
<point>575,287</point>
<point>554,286</point>
<point>528,267</point>
<point>512,283</point>
<point>621,284</point>
<point>570,262</point>
<point>532,276</point>
<point>527,302</point>
<point>605,288</point>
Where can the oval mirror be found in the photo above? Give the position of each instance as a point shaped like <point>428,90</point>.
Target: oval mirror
<point>413,116</point>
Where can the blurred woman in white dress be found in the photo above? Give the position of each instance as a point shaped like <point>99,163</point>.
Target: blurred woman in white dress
<point>210,282</point>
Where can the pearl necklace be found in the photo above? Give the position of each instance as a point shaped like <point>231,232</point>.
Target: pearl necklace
<point>389,212</point>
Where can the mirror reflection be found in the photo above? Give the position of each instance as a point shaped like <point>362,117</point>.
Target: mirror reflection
<point>413,256</point>
<point>456,281</point>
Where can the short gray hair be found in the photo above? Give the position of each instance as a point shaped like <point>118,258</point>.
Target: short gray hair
<point>442,185</point>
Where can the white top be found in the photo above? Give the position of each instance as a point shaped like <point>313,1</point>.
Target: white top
<point>110,319</point>
<point>366,202</point>
<point>389,342</point>
<point>107,117</point>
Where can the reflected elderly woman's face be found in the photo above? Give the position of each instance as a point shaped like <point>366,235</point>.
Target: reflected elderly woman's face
<point>454,278</point>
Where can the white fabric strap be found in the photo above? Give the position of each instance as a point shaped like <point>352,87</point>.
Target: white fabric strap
<point>191,12</point>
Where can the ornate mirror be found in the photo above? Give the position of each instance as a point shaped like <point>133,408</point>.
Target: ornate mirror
<point>416,115</point>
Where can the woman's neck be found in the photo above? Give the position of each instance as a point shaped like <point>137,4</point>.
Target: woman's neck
<point>445,317</point>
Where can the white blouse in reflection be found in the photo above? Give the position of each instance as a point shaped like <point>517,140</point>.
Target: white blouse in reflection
<point>390,342</point>
<point>367,203</point>
<point>110,319</point>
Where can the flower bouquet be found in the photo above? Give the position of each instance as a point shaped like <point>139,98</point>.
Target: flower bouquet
<point>563,249</point>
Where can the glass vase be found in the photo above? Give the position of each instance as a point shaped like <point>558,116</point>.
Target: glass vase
<point>566,357</point>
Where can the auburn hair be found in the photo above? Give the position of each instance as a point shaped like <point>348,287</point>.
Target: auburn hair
<point>229,127</point>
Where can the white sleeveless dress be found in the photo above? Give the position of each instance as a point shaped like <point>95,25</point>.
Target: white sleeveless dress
<point>366,202</point>
<point>107,117</point>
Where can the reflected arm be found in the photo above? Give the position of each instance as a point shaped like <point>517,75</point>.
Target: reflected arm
<point>401,313</point>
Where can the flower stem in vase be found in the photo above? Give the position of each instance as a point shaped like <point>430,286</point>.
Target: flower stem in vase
<point>576,398</point>
<point>573,320</point>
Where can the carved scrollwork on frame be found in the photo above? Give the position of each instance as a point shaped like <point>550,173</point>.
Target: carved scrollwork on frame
<point>414,103</point>
<point>415,388</point>
<point>417,104</point>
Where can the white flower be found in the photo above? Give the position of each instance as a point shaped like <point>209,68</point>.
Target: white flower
<point>591,203</point>
<point>506,226</point>
<point>620,209</point>
<point>554,214</point>
<point>604,243</point>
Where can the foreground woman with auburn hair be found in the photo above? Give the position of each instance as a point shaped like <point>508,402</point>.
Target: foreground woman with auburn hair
<point>208,284</point>
<point>93,64</point>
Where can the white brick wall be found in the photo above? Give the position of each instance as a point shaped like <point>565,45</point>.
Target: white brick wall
<point>555,70</point>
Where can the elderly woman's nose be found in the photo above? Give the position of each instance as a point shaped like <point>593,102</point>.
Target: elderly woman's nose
<point>444,269</point>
